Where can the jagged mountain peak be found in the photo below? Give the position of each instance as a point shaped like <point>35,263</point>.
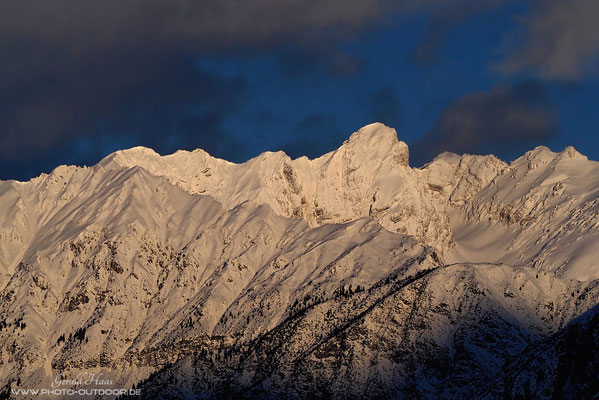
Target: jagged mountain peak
<point>571,152</point>
<point>447,157</point>
<point>362,177</point>
<point>373,135</point>
<point>542,155</point>
<point>378,141</point>
<point>367,176</point>
<point>375,139</point>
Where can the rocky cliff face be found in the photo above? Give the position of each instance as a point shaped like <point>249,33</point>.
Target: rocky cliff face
<point>348,275</point>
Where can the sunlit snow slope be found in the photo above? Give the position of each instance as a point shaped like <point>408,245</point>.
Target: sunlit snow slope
<point>352,274</point>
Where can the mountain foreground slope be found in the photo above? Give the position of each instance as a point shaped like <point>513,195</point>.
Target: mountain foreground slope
<point>350,275</point>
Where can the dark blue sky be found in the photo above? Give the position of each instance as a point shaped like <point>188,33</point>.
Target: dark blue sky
<point>79,80</point>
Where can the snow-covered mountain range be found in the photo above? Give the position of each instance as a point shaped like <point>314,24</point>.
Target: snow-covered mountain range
<point>350,275</point>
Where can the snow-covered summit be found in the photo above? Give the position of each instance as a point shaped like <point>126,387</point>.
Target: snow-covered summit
<point>377,141</point>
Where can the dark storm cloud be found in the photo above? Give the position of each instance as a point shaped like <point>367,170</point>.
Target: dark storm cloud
<point>444,18</point>
<point>130,98</point>
<point>502,121</point>
<point>386,106</point>
<point>71,69</point>
<point>124,92</point>
<point>92,75</point>
<point>560,40</point>
<point>214,23</point>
